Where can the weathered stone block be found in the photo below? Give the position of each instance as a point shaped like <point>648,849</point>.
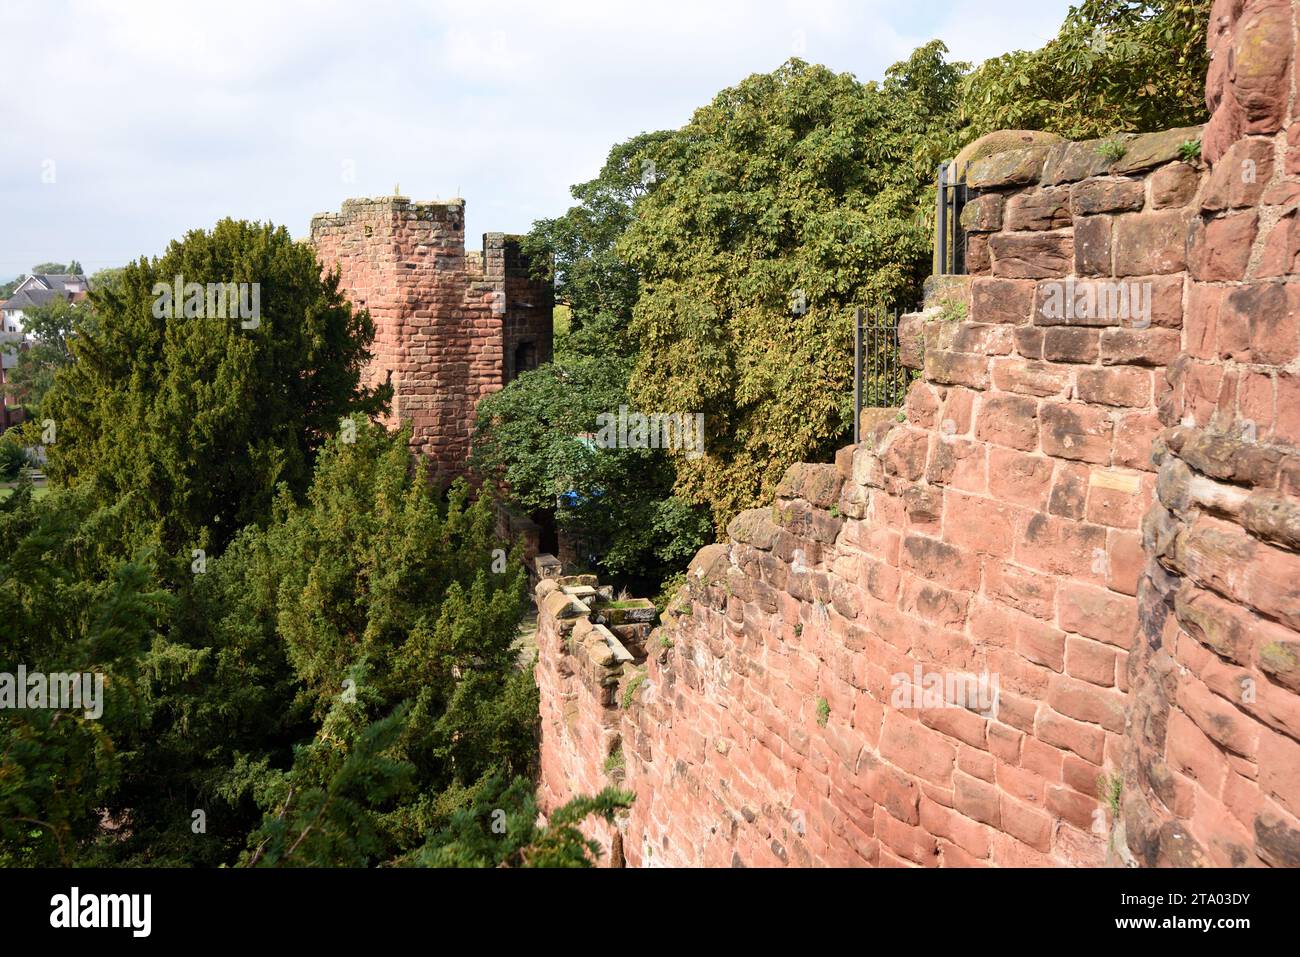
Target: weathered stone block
<point>1032,255</point>
<point>1109,195</point>
<point>983,214</point>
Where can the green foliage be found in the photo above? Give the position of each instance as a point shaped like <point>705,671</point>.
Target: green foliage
<point>615,761</point>
<point>1112,150</point>
<point>198,420</point>
<point>1190,151</point>
<point>401,640</point>
<point>328,692</point>
<point>598,287</point>
<point>13,457</point>
<point>952,310</point>
<point>632,687</point>
<point>668,591</point>
<point>65,608</point>
<point>1111,789</point>
<point>823,711</point>
<point>49,327</point>
<point>1132,65</point>
<point>528,435</point>
<point>786,202</point>
<point>499,829</point>
<point>58,269</point>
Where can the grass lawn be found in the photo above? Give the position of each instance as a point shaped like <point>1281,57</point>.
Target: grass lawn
<point>40,491</point>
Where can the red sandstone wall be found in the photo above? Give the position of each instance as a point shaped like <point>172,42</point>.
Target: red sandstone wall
<point>441,317</point>
<point>1213,771</point>
<point>1099,510</point>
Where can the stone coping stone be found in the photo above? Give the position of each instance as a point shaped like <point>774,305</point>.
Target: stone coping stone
<point>616,647</point>
<point>1148,150</point>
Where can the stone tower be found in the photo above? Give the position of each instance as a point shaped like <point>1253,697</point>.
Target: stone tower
<point>450,326</point>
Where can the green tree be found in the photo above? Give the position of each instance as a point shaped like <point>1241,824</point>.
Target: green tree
<point>1116,65</point>
<point>194,420</point>
<point>579,249</point>
<point>534,438</point>
<point>789,200</point>
<point>400,637</point>
<point>48,327</point>
<point>499,829</point>
<point>66,607</point>
<point>528,436</point>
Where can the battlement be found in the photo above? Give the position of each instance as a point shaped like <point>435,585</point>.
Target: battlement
<point>450,326</point>
<point>393,208</point>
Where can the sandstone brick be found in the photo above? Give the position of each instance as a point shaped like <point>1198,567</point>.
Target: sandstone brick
<point>1098,614</point>
<point>1260,323</point>
<point>1027,824</point>
<point>1018,477</point>
<point>1131,388</point>
<point>1261,67</point>
<point>1106,195</point>
<point>1063,547</point>
<point>917,750</point>
<point>940,562</point>
<point>1039,209</point>
<point>1087,702</point>
<point>1174,185</point>
<point>1001,300</point>
<point>977,800</point>
<point>956,368</point>
<point>1151,243</point>
<point>983,214</point>
<point>1032,255</point>
<point>1239,177</point>
<point>1069,805</point>
<point>1010,421</point>
<point>1142,347</point>
<point>1192,753</point>
<point>1219,249</point>
<point>1148,150</point>
<point>1090,660</point>
<point>1074,431</point>
<point>1029,377</point>
<point>1007,168</point>
<point>1070,162</point>
<point>1071,345</point>
<point>1125,561</point>
<point>1218,719</point>
<point>1092,245</point>
<point>1085,740</point>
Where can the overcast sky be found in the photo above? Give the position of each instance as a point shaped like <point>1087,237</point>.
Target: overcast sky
<point>127,123</point>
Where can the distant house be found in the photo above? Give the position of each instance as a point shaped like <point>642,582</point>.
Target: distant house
<point>33,291</point>
<point>36,291</point>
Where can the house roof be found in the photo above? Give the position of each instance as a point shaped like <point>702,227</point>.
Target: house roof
<point>45,288</point>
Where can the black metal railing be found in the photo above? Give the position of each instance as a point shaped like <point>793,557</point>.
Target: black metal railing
<point>880,379</point>
<point>949,237</point>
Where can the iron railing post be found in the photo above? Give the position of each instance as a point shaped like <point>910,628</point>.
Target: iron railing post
<point>857,376</point>
<point>941,223</point>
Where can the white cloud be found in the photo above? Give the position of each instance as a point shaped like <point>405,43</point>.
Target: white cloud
<point>162,117</point>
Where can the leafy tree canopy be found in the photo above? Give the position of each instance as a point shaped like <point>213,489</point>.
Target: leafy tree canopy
<point>530,436</point>
<point>789,200</point>
<point>197,420</point>
<point>1115,65</point>
<point>48,328</point>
